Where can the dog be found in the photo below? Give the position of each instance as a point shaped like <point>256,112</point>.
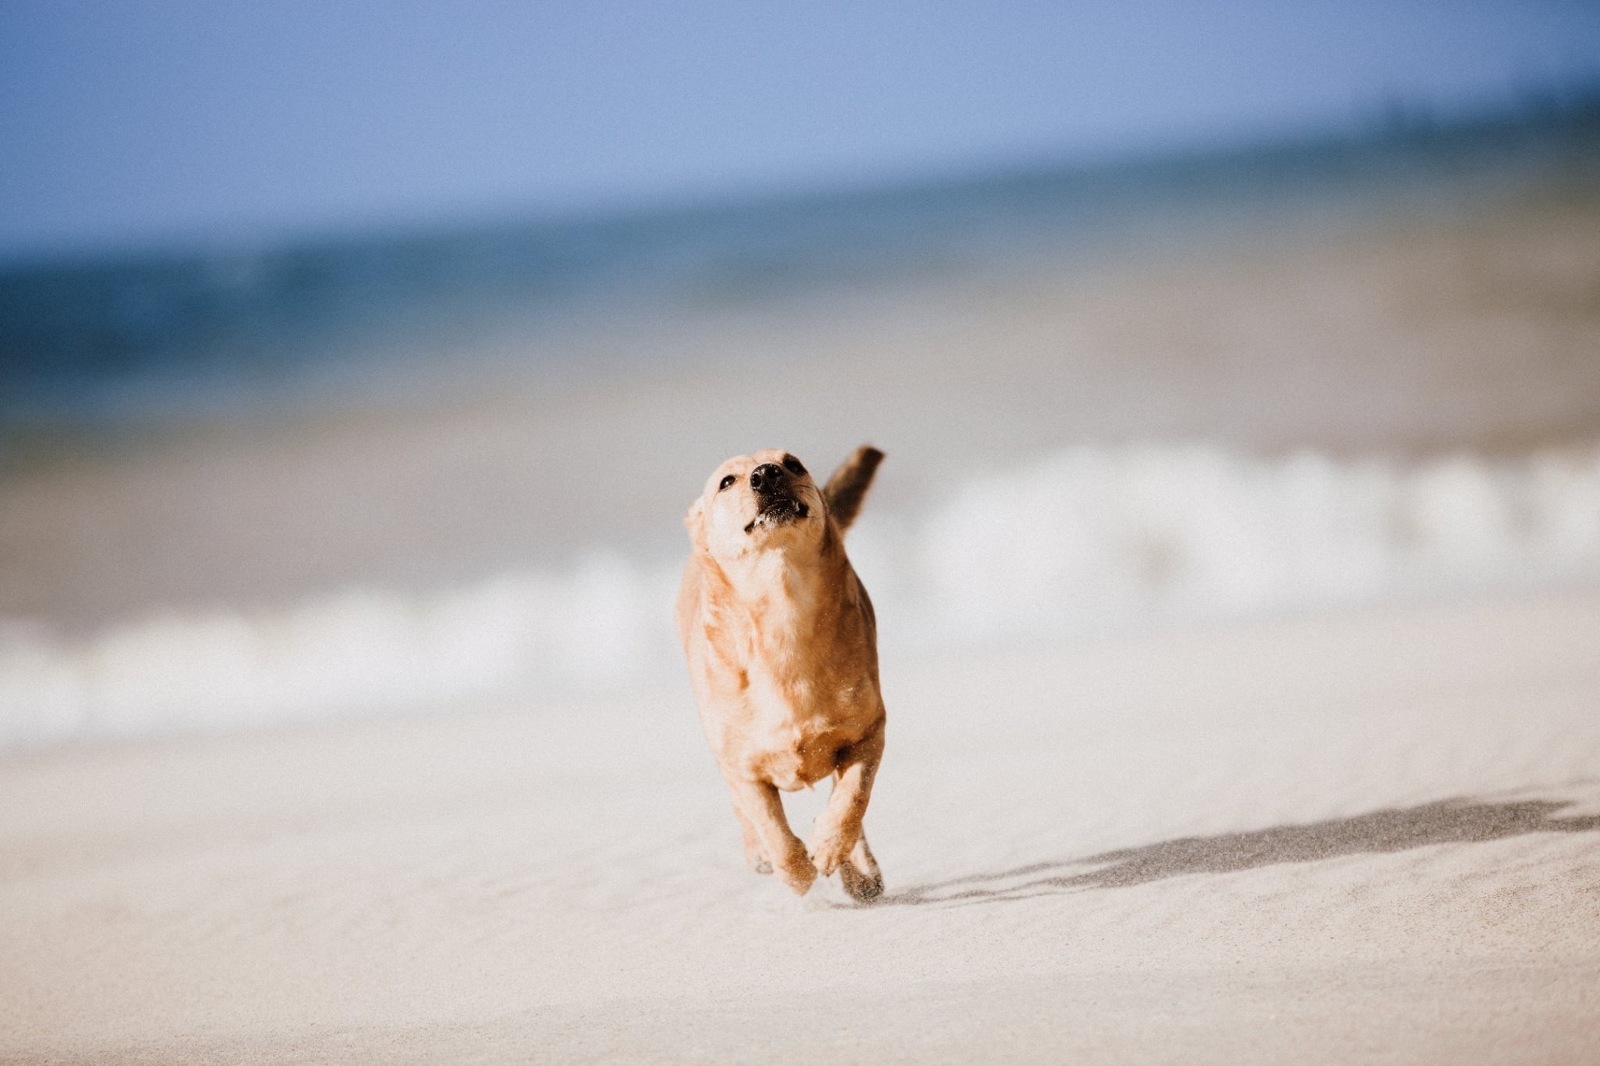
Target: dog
<point>782,647</point>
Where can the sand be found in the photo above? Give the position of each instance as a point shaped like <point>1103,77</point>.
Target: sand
<point>1356,825</point>
<point>1361,836</point>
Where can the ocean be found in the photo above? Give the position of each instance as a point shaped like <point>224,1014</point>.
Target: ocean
<point>355,475</point>
<point>177,333</point>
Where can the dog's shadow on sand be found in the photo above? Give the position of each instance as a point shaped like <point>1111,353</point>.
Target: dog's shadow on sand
<point>1455,821</point>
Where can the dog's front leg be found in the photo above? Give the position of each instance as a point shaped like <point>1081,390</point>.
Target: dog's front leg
<point>761,808</point>
<point>838,832</point>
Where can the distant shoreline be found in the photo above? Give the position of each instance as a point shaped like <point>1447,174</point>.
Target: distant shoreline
<point>145,337</point>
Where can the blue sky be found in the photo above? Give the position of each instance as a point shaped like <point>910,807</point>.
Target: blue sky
<point>139,122</point>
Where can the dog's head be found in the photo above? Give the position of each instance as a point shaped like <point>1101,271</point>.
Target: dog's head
<point>754,502</point>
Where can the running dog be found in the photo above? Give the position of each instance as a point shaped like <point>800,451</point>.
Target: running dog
<point>783,654</point>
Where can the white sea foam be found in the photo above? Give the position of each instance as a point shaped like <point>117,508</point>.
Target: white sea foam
<point>1089,539</point>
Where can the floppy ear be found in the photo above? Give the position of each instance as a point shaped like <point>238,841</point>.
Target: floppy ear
<point>695,522</point>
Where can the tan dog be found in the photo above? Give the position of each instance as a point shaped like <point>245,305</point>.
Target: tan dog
<point>782,650</point>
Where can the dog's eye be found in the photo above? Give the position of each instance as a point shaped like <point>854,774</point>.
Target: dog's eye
<point>729,480</point>
<point>791,464</point>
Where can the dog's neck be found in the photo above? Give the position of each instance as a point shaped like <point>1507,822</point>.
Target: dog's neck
<point>793,588</point>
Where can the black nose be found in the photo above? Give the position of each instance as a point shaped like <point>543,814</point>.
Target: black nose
<point>768,477</point>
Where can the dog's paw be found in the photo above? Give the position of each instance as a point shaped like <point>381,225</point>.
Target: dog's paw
<point>798,876</point>
<point>828,850</point>
<point>755,858</point>
<point>863,887</point>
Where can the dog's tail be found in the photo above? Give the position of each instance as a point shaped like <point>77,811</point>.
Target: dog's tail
<point>848,485</point>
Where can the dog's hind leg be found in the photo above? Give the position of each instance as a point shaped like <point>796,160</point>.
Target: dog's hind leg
<point>860,874</point>
<point>752,844</point>
<point>760,805</point>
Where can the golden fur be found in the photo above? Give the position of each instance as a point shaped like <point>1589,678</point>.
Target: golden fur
<point>782,649</point>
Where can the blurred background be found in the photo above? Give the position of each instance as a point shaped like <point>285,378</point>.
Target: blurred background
<point>362,358</point>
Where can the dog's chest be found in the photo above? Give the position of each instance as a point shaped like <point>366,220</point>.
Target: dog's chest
<point>797,728</point>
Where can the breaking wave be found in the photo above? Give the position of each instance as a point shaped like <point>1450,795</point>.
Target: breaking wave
<point>1085,541</point>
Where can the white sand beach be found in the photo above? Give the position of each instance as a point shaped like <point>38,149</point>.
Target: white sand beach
<point>1364,836</point>
<point>1240,612</point>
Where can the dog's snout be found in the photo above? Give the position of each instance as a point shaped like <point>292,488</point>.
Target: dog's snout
<point>768,477</point>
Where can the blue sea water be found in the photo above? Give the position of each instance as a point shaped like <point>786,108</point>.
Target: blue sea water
<point>176,333</point>
<point>303,569</point>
